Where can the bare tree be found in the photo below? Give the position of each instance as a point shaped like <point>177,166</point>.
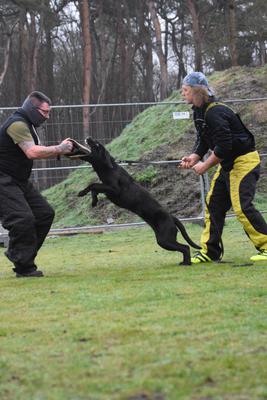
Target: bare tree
<point>146,51</point>
<point>84,11</point>
<point>6,59</point>
<point>34,42</point>
<point>8,32</point>
<point>159,51</point>
<point>197,36</point>
<point>232,31</point>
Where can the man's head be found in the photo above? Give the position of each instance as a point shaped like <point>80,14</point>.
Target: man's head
<point>37,107</point>
<point>196,89</point>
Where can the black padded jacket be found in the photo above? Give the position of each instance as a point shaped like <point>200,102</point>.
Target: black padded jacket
<point>220,129</point>
<point>13,161</point>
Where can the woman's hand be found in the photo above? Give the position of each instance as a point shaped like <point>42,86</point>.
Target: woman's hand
<point>200,168</point>
<point>189,161</point>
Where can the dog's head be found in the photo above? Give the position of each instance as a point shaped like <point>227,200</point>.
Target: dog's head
<point>99,156</point>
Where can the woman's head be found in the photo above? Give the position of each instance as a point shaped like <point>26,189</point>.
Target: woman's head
<point>196,89</point>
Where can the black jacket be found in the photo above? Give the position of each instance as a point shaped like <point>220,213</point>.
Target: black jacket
<point>220,129</point>
<point>13,161</point>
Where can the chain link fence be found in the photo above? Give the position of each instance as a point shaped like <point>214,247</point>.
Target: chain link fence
<point>107,121</point>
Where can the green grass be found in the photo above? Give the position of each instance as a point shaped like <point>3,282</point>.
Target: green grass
<point>149,130</point>
<point>116,318</point>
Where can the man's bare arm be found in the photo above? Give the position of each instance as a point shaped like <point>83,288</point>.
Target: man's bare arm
<point>33,151</point>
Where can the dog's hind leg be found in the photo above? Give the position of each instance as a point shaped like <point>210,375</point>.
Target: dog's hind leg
<point>167,240</point>
<point>182,248</point>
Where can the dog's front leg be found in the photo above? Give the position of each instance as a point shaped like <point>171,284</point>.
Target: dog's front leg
<point>96,188</point>
<point>100,188</point>
<point>94,198</point>
<point>88,189</point>
<point>85,191</point>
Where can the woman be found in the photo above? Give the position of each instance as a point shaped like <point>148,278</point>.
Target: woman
<point>231,146</point>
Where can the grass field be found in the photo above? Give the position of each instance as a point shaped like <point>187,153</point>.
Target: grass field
<point>116,318</point>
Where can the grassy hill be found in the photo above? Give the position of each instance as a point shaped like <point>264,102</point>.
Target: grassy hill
<point>154,135</point>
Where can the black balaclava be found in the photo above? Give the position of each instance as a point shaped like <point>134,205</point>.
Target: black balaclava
<point>30,106</point>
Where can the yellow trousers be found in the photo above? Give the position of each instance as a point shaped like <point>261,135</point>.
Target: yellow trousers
<point>234,188</point>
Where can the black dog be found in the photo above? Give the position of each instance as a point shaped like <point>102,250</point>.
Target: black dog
<point>125,192</point>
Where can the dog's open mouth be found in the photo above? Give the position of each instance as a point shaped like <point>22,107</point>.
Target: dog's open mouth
<point>79,150</point>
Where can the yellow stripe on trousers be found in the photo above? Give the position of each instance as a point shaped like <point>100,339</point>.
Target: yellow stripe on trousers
<point>206,231</point>
<point>242,166</point>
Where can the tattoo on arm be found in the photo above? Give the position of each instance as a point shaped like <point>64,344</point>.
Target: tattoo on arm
<point>33,151</point>
<point>25,146</point>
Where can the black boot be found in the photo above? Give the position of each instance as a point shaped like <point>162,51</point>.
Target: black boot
<point>29,274</point>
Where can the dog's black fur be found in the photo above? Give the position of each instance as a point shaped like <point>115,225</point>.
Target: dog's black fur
<point>125,192</point>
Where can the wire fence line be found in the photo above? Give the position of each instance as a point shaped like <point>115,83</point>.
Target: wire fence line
<point>162,162</point>
<point>246,100</point>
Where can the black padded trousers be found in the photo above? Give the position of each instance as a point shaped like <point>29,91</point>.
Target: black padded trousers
<point>28,217</point>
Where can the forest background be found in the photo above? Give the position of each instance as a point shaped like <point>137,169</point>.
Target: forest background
<point>117,51</point>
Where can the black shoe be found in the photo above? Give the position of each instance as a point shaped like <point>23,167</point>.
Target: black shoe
<point>29,274</point>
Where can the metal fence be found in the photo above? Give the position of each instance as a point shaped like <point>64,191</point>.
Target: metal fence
<point>107,121</point>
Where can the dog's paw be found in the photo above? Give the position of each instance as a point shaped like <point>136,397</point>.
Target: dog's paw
<point>82,193</point>
<point>185,263</point>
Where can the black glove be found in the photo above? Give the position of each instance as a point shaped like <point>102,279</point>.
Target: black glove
<point>78,151</point>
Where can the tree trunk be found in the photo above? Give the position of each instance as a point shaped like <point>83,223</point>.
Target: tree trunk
<point>230,8</point>
<point>159,51</point>
<point>178,51</point>
<point>166,44</point>
<point>21,81</point>
<point>197,36</point>
<point>262,51</point>
<point>34,40</point>
<point>146,51</point>
<point>122,52</point>
<point>148,65</point>
<point>6,60</point>
<point>84,11</point>
<point>49,84</point>
<point>126,51</point>
<point>7,48</point>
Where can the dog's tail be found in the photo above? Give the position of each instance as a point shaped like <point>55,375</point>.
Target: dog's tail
<point>181,227</point>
